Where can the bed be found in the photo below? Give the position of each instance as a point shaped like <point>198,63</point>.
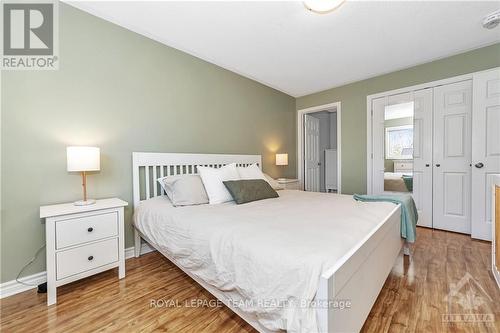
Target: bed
<point>398,182</point>
<point>304,261</point>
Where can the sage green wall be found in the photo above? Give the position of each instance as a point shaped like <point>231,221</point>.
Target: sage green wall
<point>122,92</point>
<point>353,98</point>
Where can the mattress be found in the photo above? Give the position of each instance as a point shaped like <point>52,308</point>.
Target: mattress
<point>267,256</point>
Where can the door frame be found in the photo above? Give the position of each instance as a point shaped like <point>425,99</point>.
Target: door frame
<point>370,98</point>
<point>300,140</point>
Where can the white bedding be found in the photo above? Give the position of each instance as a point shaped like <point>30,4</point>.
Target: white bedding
<point>266,251</point>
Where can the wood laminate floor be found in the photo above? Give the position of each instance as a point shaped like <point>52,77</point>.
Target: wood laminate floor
<point>413,298</point>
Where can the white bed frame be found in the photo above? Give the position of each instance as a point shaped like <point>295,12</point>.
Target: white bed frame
<point>357,277</point>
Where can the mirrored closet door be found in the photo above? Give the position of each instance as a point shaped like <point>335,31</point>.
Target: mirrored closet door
<point>402,148</point>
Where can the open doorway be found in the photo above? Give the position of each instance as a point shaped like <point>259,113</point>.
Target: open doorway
<point>319,167</point>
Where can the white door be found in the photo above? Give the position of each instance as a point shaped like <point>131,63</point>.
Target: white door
<point>378,144</point>
<point>485,149</point>
<point>422,155</point>
<point>312,160</point>
<point>452,157</point>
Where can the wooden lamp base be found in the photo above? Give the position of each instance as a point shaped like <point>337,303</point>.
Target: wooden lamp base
<point>85,201</point>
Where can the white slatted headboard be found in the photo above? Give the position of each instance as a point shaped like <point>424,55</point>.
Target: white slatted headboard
<point>147,167</point>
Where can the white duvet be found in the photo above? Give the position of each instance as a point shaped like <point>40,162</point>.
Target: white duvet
<point>265,255</point>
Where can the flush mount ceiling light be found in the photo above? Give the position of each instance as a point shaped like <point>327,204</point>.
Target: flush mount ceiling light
<point>492,20</point>
<point>323,6</point>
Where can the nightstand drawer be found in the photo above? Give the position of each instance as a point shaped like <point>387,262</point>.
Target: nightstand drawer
<point>288,184</point>
<point>87,257</point>
<point>86,229</point>
<point>291,186</point>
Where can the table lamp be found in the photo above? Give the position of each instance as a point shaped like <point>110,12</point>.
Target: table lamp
<point>281,159</point>
<point>83,159</point>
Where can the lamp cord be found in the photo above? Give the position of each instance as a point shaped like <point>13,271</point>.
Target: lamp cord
<point>26,266</point>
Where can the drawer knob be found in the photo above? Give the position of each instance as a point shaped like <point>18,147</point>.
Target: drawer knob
<point>90,258</point>
<point>90,229</point>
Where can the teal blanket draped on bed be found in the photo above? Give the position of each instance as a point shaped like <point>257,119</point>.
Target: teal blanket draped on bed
<point>409,215</point>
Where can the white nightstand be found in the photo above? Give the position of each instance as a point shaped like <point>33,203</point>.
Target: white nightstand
<point>82,241</point>
<point>289,184</point>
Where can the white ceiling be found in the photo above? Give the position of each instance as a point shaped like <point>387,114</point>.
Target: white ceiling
<point>286,47</point>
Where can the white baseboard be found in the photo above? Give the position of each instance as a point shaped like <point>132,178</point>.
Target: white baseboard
<point>145,248</point>
<point>13,287</point>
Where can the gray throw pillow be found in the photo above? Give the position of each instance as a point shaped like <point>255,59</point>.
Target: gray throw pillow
<point>184,190</point>
<point>248,190</point>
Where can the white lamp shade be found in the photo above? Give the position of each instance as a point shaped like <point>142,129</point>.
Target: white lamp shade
<point>281,159</point>
<point>83,159</point>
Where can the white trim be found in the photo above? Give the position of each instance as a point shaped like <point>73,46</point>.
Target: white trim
<point>370,98</point>
<point>13,287</point>
<point>145,248</point>
<point>494,268</point>
<point>300,140</point>
<point>421,86</point>
<point>369,147</point>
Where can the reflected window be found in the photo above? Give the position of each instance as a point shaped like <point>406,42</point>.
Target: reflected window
<point>399,142</point>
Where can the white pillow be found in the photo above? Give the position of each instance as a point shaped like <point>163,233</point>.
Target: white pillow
<point>184,190</point>
<point>250,172</point>
<point>253,172</point>
<point>212,180</point>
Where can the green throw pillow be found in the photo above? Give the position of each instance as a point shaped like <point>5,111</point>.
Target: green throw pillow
<point>248,190</point>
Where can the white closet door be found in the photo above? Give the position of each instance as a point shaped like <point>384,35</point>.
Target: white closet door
<point>312,153</point>
<point>452,157</point>
<point>422,155</point>
<point>485,149</point>
<point>378,143</point>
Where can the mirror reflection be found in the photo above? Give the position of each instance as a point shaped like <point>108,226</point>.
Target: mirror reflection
<point>398,160</point>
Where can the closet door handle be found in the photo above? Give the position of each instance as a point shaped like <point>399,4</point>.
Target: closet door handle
<point>479,165</point>
<point>438,165</point>
<point>427,165</point>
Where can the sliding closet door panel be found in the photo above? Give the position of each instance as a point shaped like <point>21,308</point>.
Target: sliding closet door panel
<point>422,155</point>
<point>452,157</point>
<point>378,143</point>
<point>485,149</point>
